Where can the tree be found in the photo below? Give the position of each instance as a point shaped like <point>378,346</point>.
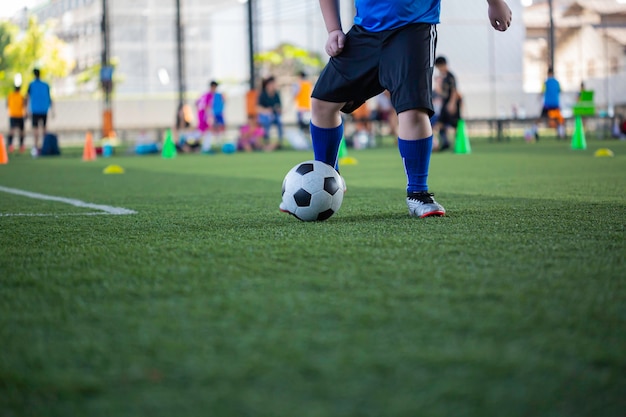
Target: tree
<point>7,33</point>
<point>33,48</point>
<point>89,79</point>
<point>287,60</point>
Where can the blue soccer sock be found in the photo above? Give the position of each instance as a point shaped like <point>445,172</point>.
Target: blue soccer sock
<point>326,143</point>
<point>416,157</point>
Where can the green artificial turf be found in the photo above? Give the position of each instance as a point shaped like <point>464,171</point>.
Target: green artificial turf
<point>209,302</point>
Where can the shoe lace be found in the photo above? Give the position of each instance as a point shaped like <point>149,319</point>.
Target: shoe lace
<point>422,196</point>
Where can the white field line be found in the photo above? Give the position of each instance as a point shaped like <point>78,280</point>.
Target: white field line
<point>73,202</point>
<point>94,213</point>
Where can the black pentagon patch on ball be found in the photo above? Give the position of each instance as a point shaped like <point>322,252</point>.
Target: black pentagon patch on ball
<point>325,215</point>
<point>304,169</point>
<point>330,185</point>
<point>302,198</point>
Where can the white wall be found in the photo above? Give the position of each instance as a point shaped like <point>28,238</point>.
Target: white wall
<point>487,63</point>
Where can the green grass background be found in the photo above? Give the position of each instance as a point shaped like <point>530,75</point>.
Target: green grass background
<point>209,302</point>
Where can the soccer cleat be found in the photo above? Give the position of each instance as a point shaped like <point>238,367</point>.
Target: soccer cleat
<point>422,204</point>
<point>282,208</point>
<point>11,148</point>
<point>22,149</point>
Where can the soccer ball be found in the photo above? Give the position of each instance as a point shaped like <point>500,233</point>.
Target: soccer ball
<point>312,191</point>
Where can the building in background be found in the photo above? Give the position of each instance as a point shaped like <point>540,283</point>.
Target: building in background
<point>590,48</point>
<point>143,42</point>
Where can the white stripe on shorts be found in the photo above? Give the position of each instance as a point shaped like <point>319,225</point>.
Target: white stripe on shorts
<point>433,39</point>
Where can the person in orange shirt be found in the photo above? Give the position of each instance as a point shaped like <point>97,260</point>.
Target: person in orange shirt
<point>363,135</point>
<point>362,117</point>
<point>302,96</point>
<point>16,105</point>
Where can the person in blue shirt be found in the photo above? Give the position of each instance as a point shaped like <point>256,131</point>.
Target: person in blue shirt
<point>390,46</point>
<point>218,103</point>
<point>551,93</point>
<point>551,109</point>
<point>39,103</point>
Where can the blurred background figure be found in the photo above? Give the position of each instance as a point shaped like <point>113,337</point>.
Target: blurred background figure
<point>251,137</point>
<point>204,111</point>
<point>385,113</point>
<point>184,117</point>
<point>551,109</point>
<point>302,97</point>
<point>218,102</point>
<point>39,104</point>
<point>450,104</point>
<point>16,106</point>
<point>270,109</point>
<point>363,135</point>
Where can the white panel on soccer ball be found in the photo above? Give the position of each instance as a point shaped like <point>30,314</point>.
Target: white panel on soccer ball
<point>337,199</point>
<point>307,214</point>
<point>289,203</point>
<point>313,181</point>
<point>293,180</point>
<point>322,200</point>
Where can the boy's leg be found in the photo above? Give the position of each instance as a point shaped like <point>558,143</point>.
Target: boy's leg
<point>36,123</point>
<point>560,129</point>
<point>36,133</point>
<point>43,129</point>
<point>299,119</point>
<point>406,70</point>
<point>434,123</point>
<point>22,131</point>
<point>443,138</point>
<point>10,139</point>
<point>415,147</point>
<point>443,121</point>
<point>279,127</point>
<point>266,122</point>
<point>326,131</point>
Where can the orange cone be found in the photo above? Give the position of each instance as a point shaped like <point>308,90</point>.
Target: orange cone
<point>4,156</point>
<point>89,151</point>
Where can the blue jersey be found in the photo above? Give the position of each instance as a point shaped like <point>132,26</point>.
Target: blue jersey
<point>39,97</point>
<point>551,91</point>
<point>379,15</point>
<point>218,103</point>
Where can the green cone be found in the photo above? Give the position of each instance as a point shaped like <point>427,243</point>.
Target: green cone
<point>578,139</point>
<point>169,148</point>
<point>462,143</point>
<point>343,150</point>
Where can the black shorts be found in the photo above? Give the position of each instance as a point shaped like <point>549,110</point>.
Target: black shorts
<point>545,110</point>
<point>16,123</point>
<point>450,119</point>
<point>39,119</point>
<point>399,60</point>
